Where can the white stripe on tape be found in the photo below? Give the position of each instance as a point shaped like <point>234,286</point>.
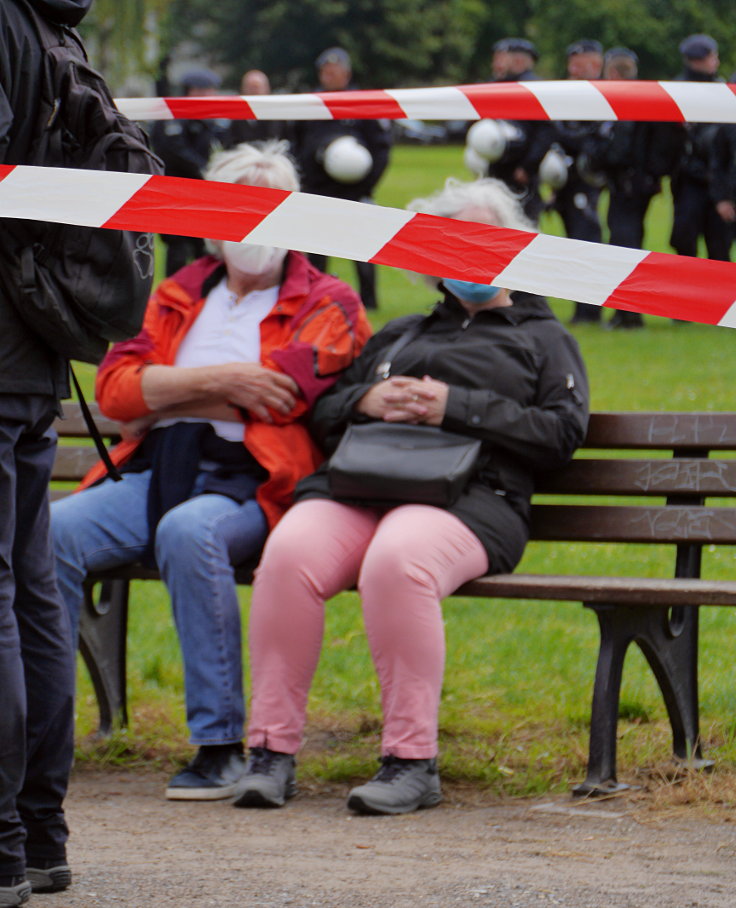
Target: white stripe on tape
<point>571,100</point>
<point>144,108</point>
<point>729,319</point>
<point>288,107</point>
<point>44,194</point>
<point>319,224</point>
<point>434,103</point>
<point>703,102</point>
<point>570,269</point>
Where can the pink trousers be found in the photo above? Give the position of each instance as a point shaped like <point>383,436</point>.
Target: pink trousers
<point>404,562</point>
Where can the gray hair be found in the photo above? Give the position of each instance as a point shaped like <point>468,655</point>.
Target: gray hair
<point>502,205</point>
<point>266,164</point>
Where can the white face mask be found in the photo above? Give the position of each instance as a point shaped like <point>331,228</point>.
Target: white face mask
<point>252,259</point>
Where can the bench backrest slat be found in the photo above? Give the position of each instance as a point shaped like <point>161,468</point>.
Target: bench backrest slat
<point>684,476</point>
<point>617,523</point>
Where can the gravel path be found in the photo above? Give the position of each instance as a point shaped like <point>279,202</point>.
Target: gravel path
<point>132,848</point>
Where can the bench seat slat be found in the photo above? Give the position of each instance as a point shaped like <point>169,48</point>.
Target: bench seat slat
<point>619,590</point>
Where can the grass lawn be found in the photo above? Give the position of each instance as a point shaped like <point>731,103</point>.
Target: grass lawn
<point>516,701</point>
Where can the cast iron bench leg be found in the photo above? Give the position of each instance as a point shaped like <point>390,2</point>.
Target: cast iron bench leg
<point>102,642</point>
<point>669,640</point>
<point>616,635</point>
<point>670,643</point>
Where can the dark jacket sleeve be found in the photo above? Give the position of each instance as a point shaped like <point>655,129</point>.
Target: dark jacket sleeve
<point>545,434</point>
<point>333,411</point>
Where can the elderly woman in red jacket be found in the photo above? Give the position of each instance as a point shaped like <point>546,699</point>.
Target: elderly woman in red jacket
<point>213,396</point>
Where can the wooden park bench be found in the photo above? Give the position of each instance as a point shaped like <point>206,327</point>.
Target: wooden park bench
<point>641,478</point>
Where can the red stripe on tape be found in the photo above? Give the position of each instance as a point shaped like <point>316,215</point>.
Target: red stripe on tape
<point>677,286</point>
<point>448,248</point>
<point>508,101</point>
<point>361,105</point>
<point>226,211</point>
<point>210,108</point>
<point>5,169</point>
<point>650,97</point>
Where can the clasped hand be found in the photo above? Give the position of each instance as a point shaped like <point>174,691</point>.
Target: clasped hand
<point>406,399</point>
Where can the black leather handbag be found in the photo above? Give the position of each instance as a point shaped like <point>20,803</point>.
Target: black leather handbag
<point>385,463</point>
<point>391,463</point>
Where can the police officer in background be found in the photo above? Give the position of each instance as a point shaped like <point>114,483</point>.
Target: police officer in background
<point>513,60</point>
<point>577,201</point>
<point>695,211</point>
<point>633,157</point>
<point>255,82</point>
<point>723,173</point>
<point>342,158</point>
<point>185,147</point>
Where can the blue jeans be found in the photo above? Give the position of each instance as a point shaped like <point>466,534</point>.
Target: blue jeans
<point>196,545</point>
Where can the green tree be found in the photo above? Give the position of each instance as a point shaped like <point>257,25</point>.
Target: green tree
<point>123,38</point>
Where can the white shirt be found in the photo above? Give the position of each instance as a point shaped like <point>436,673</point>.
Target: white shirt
<point>227,330</point>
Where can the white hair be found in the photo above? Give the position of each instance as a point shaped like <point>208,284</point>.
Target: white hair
<point>266,164</point>
<point>502,205</point>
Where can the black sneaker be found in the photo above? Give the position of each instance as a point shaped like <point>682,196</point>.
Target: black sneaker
<point>49,876</point>
<point>399,786</point>
<point>10,896</point>
<point>268,779</point>
<point>211,776</point>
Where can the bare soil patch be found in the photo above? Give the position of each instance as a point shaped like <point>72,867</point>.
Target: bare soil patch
<point>131,847</point>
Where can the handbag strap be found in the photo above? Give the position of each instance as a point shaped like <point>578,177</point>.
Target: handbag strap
<point>112,470</point>
<point>383,371</point>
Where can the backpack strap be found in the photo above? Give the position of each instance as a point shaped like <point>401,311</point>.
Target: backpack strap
<point>112,470</point>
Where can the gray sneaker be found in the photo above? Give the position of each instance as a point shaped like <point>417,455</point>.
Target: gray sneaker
<point>399,786</point>
<point>54,878</point>
<point>10,896</point>
<point>268,779</point>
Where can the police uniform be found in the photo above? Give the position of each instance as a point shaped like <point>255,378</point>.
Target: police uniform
<point>535,139</point>
<point>577,201</point>
<point>185,147</point>
<point>694,209</point>
<point>633,157</point>
<point>311,138</point>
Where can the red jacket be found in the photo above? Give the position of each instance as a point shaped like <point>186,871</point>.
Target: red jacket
<point>314,331</point>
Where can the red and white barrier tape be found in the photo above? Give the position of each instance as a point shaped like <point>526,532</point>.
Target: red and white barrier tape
<point>694,102</point>
<point>691,289</point>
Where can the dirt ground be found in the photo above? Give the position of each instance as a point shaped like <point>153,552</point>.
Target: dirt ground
<point>131,847</point>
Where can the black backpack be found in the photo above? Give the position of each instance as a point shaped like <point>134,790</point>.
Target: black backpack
<point>78,288</point>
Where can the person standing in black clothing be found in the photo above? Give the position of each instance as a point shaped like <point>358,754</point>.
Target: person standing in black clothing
<point>723,173</point>
<point>513,61</point>
<point>577,201</point>
<point>185,147</point>
<point>633,157</point>
<point>695,212</point>
<point>254,82</point>
<point>312,139</point>
<point>37,659</point>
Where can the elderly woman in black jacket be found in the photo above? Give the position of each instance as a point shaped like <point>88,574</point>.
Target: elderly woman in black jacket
<point>487,364</point>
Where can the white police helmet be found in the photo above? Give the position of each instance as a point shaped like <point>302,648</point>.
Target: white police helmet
<point>488,139</point>
<point>346,160</point>
<point>474,162</point>
<point>553,168</point>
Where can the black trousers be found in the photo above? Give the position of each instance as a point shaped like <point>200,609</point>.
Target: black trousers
<point>695,214</point>
<point>36,654</point>
<point>577,204</point>
<point>366,278</point>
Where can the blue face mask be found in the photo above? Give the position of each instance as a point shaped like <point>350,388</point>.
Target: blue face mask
<point>468,292</point>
